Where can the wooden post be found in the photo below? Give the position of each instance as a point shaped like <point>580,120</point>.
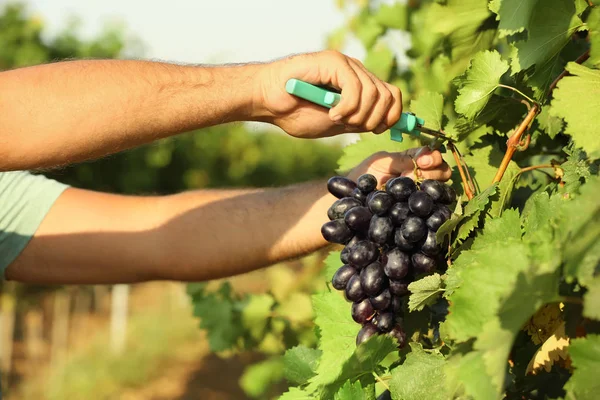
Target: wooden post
<point>34,338</point>
<point>118,318</point>
<point>8,301</point>
<point>60,330</point>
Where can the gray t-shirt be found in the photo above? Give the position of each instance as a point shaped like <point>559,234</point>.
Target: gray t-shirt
<point>25,199</point>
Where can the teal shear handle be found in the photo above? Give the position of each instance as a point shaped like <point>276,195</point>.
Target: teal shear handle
<point>407,124</point>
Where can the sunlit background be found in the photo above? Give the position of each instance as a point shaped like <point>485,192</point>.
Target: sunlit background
<point>142,341</point>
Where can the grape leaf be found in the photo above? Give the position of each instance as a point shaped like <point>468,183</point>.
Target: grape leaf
<point>585,355</point>
<point>464,371</point>
<point>501,230</point>
<point>550,27</point>
<point>360,366</point>
<point>550,124</point>
<point>380,61</point>
<point>370,144</point>
<point>300,364</point>
<point>332,264</point>
<point>478,84</point>
<point>424,292</point>
<point>421,376</point>
<point>593,24</point>
<point>258,378</point>
<point>591,300</point>
<point>351,391</point>
<point>576,169</point>
<point>296,394</point>
<point>577,100</point>
<point>429,107</point>
<point>255,314</point>
<point>514,16</point>
<point>392,16</point>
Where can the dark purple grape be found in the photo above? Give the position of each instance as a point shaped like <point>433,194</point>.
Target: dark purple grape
<point>380,229</point>
<point>413,229</point>
<point>420,203</point>
<point>366,332</point>
<point>396,306</point>
<point>358,219</point>
<point>380,203</point>
<point>366,183</point>
<point>342,276</point>
<point>398,213</point>
<point>336,231</point>
<point>399,287</point>
<point>401,242</point>
<point>339,207</point>
<point>340,186</point>
<point>346,250</point>
<point>382,300</point>
<point>372,279</point>
<point>387,395</point>
<point>440,214</point>
<point>354,291</point>
<point>449,195</point>
<point>370,196</point>
<point>360,196</point>
<point>429,245</point>
<point>398,333</point>
<point>423,264</point>
<point>385,321</point>
<point>396,264</point>
<point>400,188</point>
<point>363,253</point>
<point>362,311</point>
<point>433,188</point>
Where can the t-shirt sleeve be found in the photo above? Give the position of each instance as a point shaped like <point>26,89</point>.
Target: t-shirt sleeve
<point>25,199</point>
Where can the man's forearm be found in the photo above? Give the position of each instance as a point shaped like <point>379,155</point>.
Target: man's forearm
<point>66,112</point>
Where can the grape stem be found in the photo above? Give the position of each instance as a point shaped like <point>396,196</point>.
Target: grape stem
<point>467,182</point>
<point>381,381</point>
<point>517,91</point>
<point>516,178</point>
<point>579,60</point>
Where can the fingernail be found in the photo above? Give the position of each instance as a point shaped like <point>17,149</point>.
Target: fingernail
<point>425,161</point>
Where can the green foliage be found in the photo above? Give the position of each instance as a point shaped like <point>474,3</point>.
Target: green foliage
<point>585,354</point>
<point>421,376</point>
<point>424,292</point>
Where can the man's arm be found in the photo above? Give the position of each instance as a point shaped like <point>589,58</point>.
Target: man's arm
<point>67,112</point>
<point>91,237</point>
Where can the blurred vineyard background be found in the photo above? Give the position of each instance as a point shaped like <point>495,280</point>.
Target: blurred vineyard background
<point>142,341</point>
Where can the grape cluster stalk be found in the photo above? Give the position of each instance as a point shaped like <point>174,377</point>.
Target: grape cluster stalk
<point>390,241</point>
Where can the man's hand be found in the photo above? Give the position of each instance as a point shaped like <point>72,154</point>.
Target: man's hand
<point>368,103</point>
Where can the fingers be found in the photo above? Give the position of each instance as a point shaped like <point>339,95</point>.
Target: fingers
<point>430,165</point>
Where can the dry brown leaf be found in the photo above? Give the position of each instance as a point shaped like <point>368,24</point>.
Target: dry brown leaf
<point>553,349</point>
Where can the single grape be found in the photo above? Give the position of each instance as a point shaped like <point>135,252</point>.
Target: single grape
<point>433,188</point>
<point>382,300</point>
<point>340,186</point>
<point>401,242</point>
<point>387,395</point>
<point>372,279</point>
<point>354,291</point>
<point>385,321</point>
<point>340,206</point>
<point>380,203</point>
<point>413,229</point>
<point>366,332</point>
<point>396,306</point>
<point>441,213</point>
<point>342,276</point>
<point>362,311</point>
<point>400,188</point>
<point>420,203</point>
<point>336,231</point>
<point>358,219</point>
<point>346,250</point>
<point>423,264</point>
<point>360,196</point>
<point>398,333</point>
<point>399,287</point>
<point>429,245</point>
<point>363,253</point>
<point>398,213</point>
<point>449,195</point>
<point>380,229</point>
<point>396,264</point>
<point>366,183</point>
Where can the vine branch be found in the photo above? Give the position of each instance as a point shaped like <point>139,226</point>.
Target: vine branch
<point>579,60</point>
<point>467,182</point>
<point>381,381</point>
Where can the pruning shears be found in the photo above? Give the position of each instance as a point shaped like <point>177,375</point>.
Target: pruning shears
<point>409,123</point>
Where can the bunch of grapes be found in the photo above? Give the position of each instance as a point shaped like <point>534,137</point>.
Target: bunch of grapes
<point>390,241</point>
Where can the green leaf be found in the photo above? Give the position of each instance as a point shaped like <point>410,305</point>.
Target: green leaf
<point>297,307</point>
<point>392,16</point>
<point>421,376</point>
<point>577,100</point>
<point>550,124</point>
<point>576,169</point>
<point>429,107</point>
<point>296,394</point>
<point>351,391</point>
<point>550,27</point>
<point>585,354</point>
<point>258,378</point>
<point>514,16</point>
<point>591,300</point>
<point>593,25</point>
<point>479,82</point>
<point>255,314</point>
<point>368,30</point>
<point>424,292</point>
<point>466,372</point>
<point>332,264</point>
<point>380,61</point>
<point>300,364</point>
